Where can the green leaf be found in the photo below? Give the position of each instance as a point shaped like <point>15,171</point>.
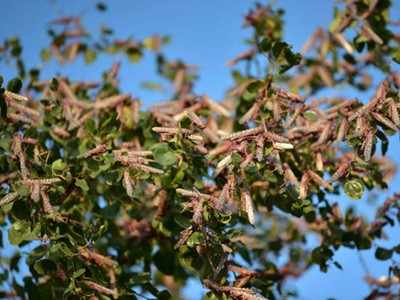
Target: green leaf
<point>395,56</point>
<point>14,85</point>
<point>21,68</point>
<point>16,48</point>
<point>164,155</point>
<point>134,54</point>
<point>3,106</point>
<point>151,85</point>
<point>164,295</point>
<point>54,84</point>
<point>81,183</point>
<point>255,86</point>
<point>71,287</point>
<point>90,55</point>
<point>336,22</point>
<point>247,96</point>
<point>195,239</point>
<point>44,266</point>
<point>236,159</point>
<point>354,188</point>
<point>60,249</point>
<point>164,260</point>
<point>18,232</point>
<point>383,254</point>
<point>338,265</point>
<point>309,213</point>
<point>150,43</point>
<point>283,55</point>
<point>320,255</point>
<point>384,141</point>
<point>139,278</point>
<point>182,221</point>
<point>101,6</point>
<point>78,273</point>
<point>45,54</point>
<point>311,115</point>
<point>22,190</point>
<point>106,30</point>
<point>363,243</point>
<point>58,165</point>
<point>180,173</point>
<point>265,45</point>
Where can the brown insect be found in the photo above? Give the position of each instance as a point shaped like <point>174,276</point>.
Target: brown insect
<point>13,117</point>
<point>250,114</point>
<point>385,121</point>
<point>234,292</point>
<point>10,197</point>
<point>367,31</point>
<point>184,236</point>
<point>343,128</point>
<point>189,193</point>
<point>100,149</point>
<point>128,183</point>
<point>222,164</point>
<point>260,149</point>
<point>171,130</point>
<point>221,149</point>
<point>244,133</point>
<point>101,289</point>
<point>162,204</point>
<point>216,107</point>
<point>304,185</point>
<point>289,175</point>
<point>343,42</point>
<point>319,180</point>
<point>247,160</point>
<point>368,144</point>
<point>97,258</point>
<point>61,132</point>
<point>195,119</point>
<point>319,162</point>
<point>17,149</point>
<point>35,192</point>
<point>325,76</point>
<point>43,181</point>
<point>394,112</point>
<point>325,134</point>
<point>145,168</point>
<point>342,169</point>
<point>13,96</point>
<point>47,207</point>
<point>273,137</point>
<point>111,101</point>
<point>248,206</point>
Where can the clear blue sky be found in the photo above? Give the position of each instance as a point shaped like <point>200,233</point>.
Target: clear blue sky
<point>207,34</point>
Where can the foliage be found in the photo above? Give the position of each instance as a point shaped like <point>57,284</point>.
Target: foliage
<point>117,202</point>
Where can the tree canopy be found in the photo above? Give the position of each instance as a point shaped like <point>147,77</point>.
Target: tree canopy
<point>117,202</point>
